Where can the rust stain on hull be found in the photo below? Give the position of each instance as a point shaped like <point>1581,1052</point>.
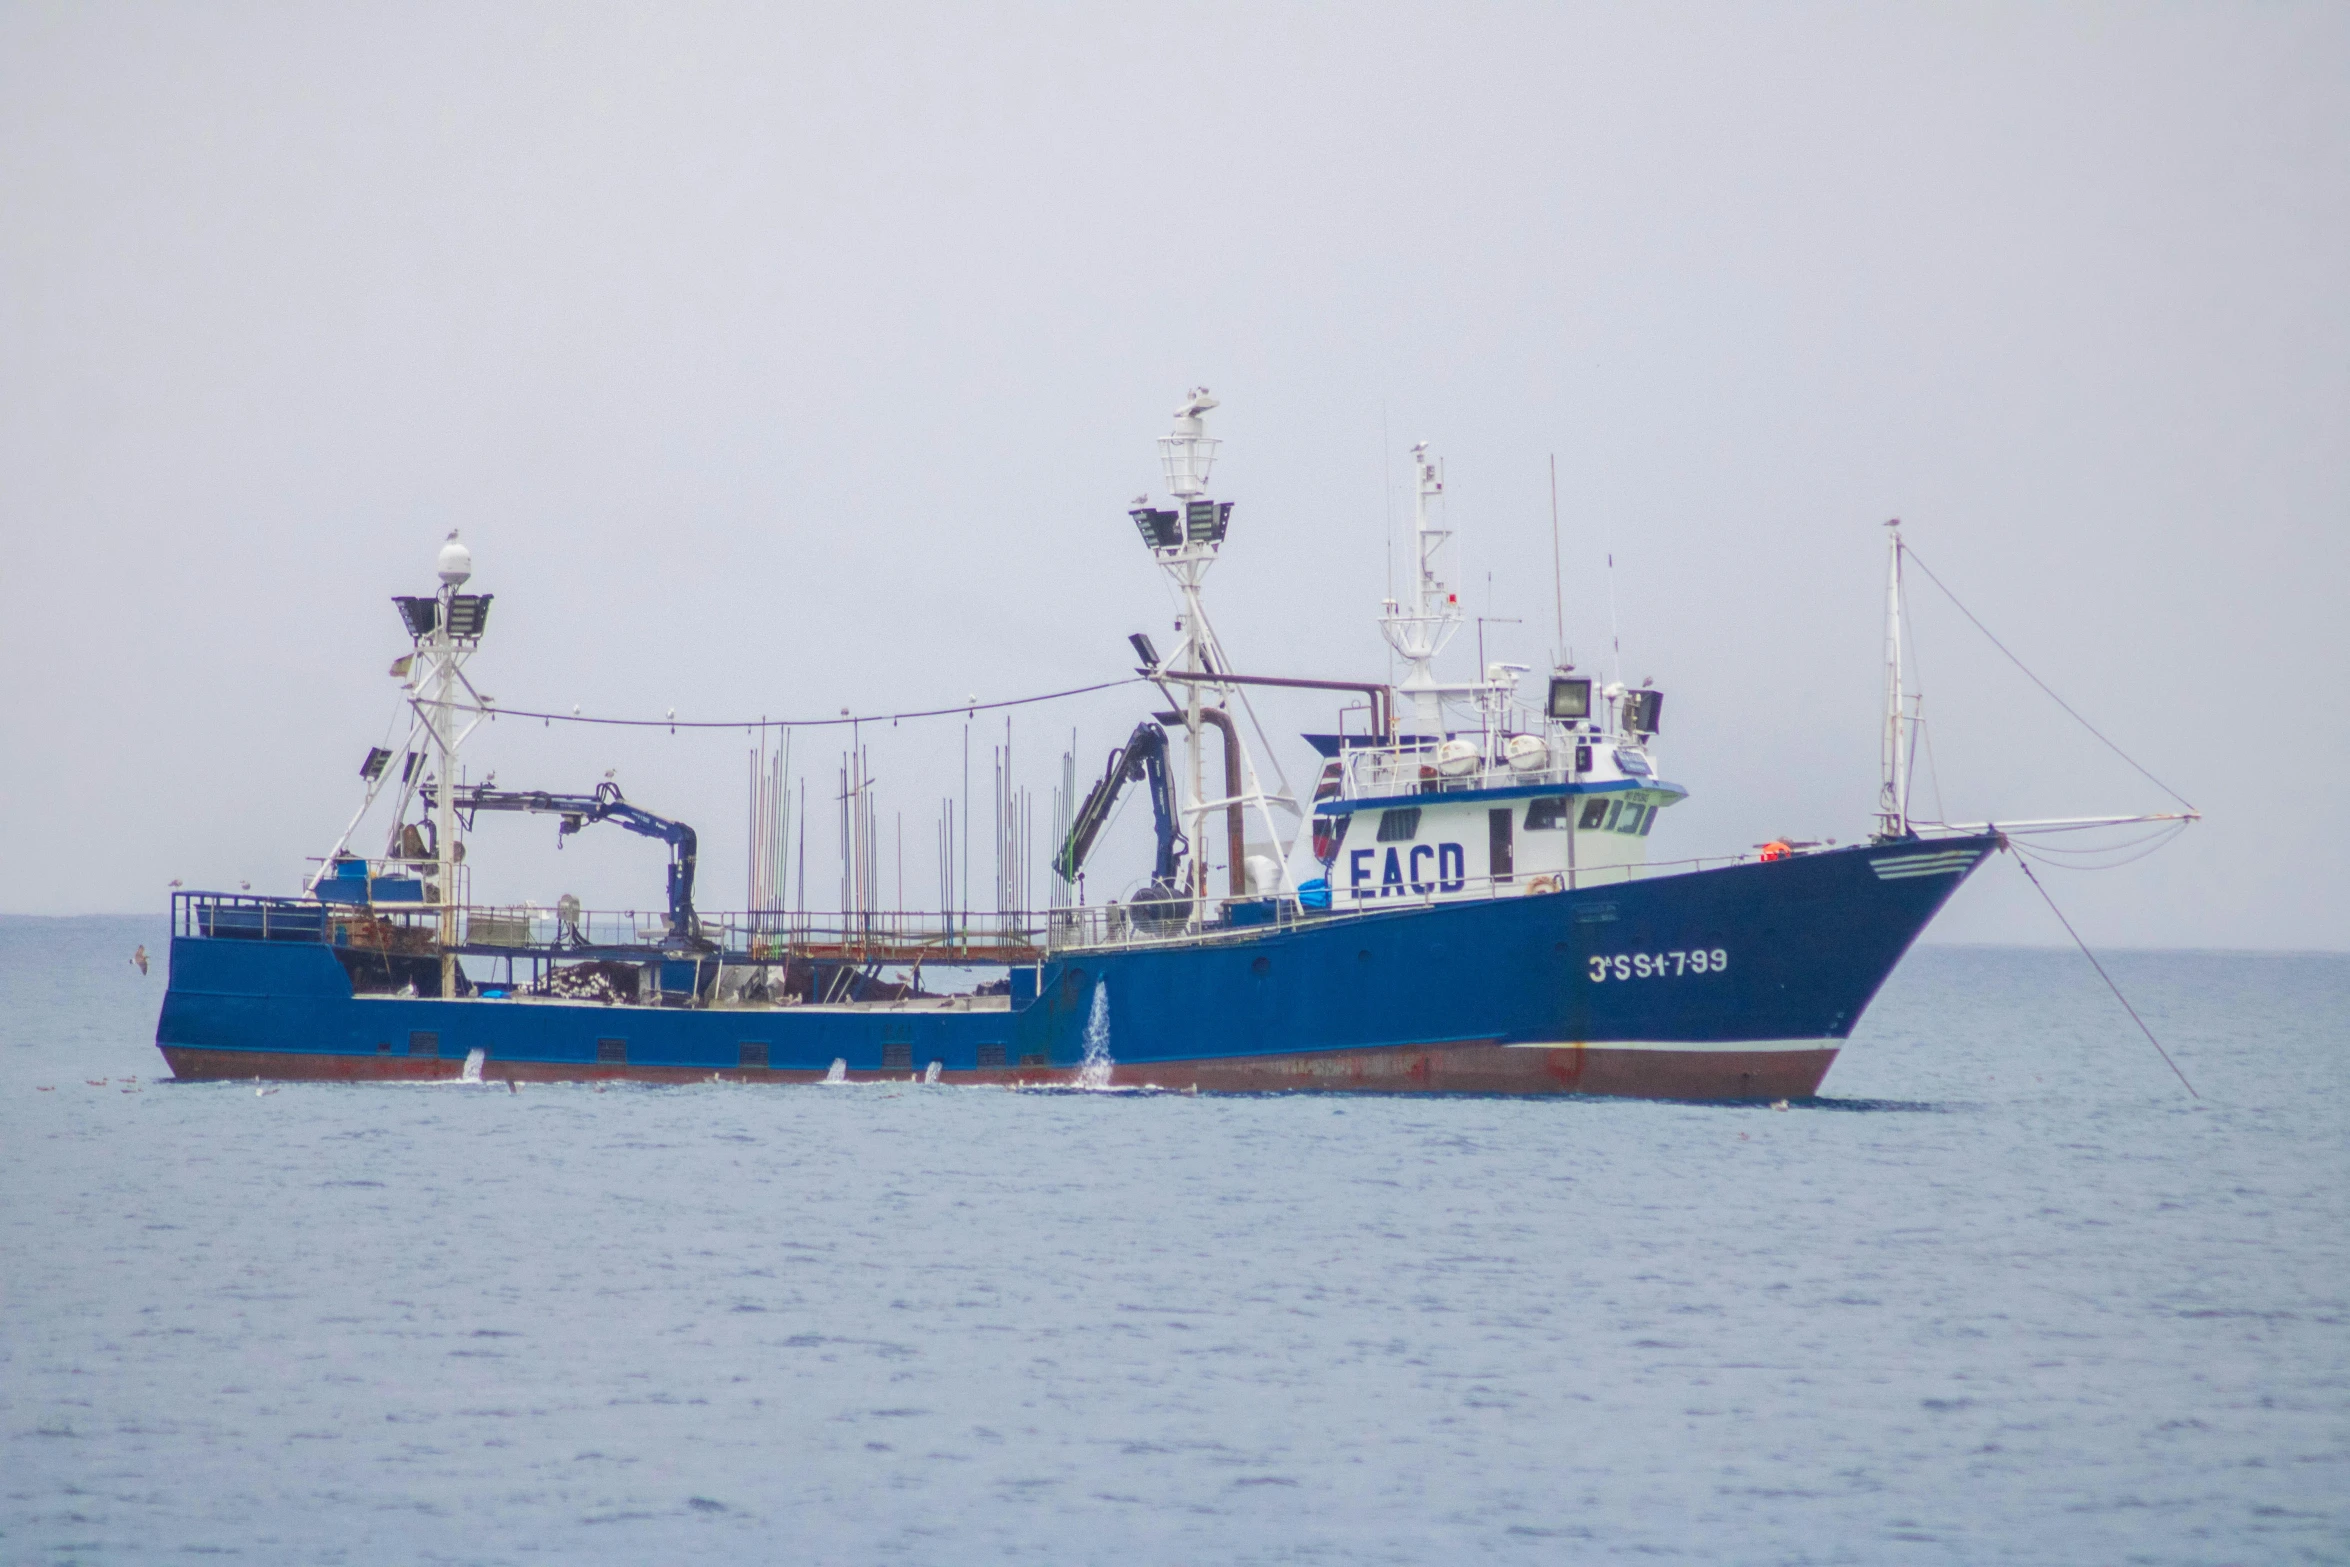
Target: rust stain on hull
<point>1452,1069</point>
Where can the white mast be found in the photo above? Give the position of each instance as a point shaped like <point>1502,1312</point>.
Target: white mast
<point>456,565</point>
<point>1186,455</point>
<point>1436,612</point>
<point>1185,542</point>
<point>1893,756</point>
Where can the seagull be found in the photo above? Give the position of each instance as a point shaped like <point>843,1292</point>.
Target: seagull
<point>140,957</point>
<point>244,886</point>
<point>175,881</point>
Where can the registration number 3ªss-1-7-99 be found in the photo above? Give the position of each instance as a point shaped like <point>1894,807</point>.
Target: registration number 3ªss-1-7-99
<point>1659,965</point>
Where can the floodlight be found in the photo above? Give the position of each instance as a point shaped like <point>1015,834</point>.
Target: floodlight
<point>1642,710</point>
<point>1204,521</point>
<point>377,758</point>
<point>421,615</point>
<point>469,613</point>
<point>1158,528</point>
<point>1570,697</point>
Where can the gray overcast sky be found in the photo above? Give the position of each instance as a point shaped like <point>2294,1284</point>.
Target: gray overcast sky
<point>779,360</point>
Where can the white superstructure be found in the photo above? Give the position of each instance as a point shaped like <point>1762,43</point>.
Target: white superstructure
<point>1460,789</point>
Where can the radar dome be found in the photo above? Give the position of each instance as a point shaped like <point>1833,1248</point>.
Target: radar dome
<point>456,561</point>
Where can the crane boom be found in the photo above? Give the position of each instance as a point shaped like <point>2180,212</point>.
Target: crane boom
<point>1144,755</point>
<point>605,805</point>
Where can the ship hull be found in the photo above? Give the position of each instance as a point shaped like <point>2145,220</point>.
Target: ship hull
<point>1733,984</point>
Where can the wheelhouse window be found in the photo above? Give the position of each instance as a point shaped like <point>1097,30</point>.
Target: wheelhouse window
<point>1399,826</point>
<point>1548,815</point>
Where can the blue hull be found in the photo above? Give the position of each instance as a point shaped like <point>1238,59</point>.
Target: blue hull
<point>1733,983</point>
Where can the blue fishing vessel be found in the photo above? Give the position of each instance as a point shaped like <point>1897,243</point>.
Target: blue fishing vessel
<point>1464,900</point>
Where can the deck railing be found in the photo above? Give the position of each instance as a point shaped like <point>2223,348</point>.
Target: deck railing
<point>889,937</point>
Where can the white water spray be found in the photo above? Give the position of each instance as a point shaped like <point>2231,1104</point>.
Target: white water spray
<point>471,1072</point>
<point>1094,1070</point>
<point>839,1072</point>
<point>930,1072</point>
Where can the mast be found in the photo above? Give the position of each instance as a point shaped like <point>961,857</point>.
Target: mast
<point>444,650</point>
<point>1185,542</point>
<point>1893,754</point>
<point>1435,614</point>
<point>1187,454</point>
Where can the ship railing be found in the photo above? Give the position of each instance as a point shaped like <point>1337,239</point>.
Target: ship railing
<point>1412,770</point>
<point>887,936</point>
<point>890,937</point>
<point>230,916</point>
<point>1239,919</point>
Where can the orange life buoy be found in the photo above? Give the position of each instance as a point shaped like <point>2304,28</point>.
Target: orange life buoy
<point>1777,849</point>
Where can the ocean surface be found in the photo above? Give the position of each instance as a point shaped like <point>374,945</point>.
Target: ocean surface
<point>2008,1294</point>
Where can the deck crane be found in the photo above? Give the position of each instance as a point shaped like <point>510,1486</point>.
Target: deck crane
<point>1143,756</point>
<point>605,805</point>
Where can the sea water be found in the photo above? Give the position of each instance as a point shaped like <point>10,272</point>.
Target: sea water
<point>2007,1294</point>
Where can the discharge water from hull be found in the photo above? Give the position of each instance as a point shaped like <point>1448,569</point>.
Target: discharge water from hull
<point>1094,1071</point>
<point>839,1072</point>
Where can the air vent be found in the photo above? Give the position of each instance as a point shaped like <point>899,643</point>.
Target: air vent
<point>612,1052</point>
<point>897,1058</point>
<point>751,1053</point>
<point>424,1044</point>
<point>991,1055</point>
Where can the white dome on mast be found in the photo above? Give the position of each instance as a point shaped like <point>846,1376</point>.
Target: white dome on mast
<point>456,562</point>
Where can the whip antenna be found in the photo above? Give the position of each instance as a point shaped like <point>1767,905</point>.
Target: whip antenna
<point>1558,574</point>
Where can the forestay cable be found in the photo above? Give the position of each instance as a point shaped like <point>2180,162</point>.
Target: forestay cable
<point>2044,686</point>
<point>2025,867</point>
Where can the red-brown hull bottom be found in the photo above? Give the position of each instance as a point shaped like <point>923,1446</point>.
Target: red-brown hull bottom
<point>1647,1073</point>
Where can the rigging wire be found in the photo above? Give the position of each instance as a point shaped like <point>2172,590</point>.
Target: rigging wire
<point>748,724</point>
<point>2025,867</point>
<point>2144,846</point>
<point>2043,685</point>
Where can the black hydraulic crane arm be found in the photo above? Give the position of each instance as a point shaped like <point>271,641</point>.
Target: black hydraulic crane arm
<point>1144,755</point>
<point>605,805</point>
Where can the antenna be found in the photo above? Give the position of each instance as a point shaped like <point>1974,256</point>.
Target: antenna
<point>1558,572</point>
<point>1386,501</point>
<point>1615,641</point>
